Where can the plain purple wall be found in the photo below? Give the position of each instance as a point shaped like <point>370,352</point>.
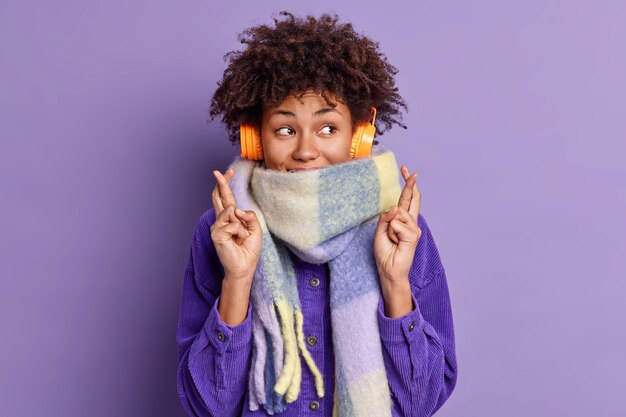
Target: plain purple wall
<point>516,126</point>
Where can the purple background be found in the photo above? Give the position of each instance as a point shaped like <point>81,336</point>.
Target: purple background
<point>516,125</point>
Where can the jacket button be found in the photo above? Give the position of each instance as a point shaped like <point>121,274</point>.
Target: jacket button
<point>314,405</point>
<point>311,340</point>
<point>221,336</point>
<point>411,326</point>
<point>314,282</point>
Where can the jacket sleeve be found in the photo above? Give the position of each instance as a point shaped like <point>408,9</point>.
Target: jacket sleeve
<point>419,348</point>
<point>213,357</point>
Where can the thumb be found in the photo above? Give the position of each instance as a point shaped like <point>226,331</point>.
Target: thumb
<point>251,220</point>
<point>385,218</point>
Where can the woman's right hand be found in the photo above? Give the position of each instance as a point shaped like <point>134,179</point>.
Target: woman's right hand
<point>236,234</point>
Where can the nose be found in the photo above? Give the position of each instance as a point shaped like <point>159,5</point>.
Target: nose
<point>306,149</point>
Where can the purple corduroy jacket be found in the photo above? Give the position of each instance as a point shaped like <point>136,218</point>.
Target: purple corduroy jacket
<point>214,358</point>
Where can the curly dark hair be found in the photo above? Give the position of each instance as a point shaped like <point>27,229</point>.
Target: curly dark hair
<point>306,53</point>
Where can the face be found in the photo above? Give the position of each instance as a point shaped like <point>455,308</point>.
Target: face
<point>306,135</point>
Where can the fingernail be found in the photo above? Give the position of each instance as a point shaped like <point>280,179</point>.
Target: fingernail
<point>239,211</point>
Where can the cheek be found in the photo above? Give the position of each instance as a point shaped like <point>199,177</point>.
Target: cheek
<point>339,151</point>
<point>275,155</point>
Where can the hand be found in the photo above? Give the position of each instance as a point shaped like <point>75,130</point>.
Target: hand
<point>236,234</point>
<point>397,234</point>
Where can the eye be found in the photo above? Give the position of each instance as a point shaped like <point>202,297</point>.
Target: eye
<point>328,129</point>
<point>285,131</point>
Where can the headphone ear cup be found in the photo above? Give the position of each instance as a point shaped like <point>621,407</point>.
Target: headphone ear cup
<point>363,138</point>
<point>367,139</point>
<point>356,141</point>
<point>251,147</point>
<point>256,145</point>
<point>242,141</point>
<point>361,146</point>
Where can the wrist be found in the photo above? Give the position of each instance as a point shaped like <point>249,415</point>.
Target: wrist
<point>240,279</point>
<point>394,286</point>
<point>397,298</point>
<point>234,300</point>
<point>236,288</point>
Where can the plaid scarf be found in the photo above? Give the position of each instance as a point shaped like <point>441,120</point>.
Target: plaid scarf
<point>324,215</point>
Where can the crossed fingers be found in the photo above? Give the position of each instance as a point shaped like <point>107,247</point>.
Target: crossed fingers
<point>222,195</point>
<point>223,198</point>
<point>410,197</point>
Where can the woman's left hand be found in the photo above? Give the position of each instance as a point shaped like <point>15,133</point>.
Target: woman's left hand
<point>397,234</point>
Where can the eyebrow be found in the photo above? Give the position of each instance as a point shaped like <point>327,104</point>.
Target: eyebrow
<point>317,113</point>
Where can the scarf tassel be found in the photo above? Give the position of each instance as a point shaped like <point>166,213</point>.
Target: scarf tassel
<point>319,380</point>
<point>286,382</point>
<point>266,332</point>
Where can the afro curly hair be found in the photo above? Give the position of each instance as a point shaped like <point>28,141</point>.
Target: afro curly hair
<point>300,54</point>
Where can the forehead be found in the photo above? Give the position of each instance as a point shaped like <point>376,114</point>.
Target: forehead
<point>308,100</point>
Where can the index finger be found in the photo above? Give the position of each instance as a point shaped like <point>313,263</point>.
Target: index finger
<point>225,194</point>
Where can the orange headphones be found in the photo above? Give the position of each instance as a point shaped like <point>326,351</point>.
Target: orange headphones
<point>361,146</point>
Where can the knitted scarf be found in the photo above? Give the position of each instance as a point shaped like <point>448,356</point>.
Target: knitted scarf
<point>324,215</point>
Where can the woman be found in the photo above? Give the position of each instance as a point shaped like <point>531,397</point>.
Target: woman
<point>313,285</point>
